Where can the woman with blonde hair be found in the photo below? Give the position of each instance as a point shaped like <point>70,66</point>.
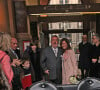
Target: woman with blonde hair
<point>5,40</point>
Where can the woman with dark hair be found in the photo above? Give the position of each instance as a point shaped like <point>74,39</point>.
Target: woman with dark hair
<point>69,63</point>
<point>34,53</point>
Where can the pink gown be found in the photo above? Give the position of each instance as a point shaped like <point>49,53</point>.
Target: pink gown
<point>69,66</point>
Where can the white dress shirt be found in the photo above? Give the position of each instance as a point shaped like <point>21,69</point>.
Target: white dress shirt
<point>55,51</point>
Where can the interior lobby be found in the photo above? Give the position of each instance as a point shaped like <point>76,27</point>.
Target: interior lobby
<point>38,19</point>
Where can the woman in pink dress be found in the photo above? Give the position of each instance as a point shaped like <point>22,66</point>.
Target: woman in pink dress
<point>69,62</point>
<point>5,40</point>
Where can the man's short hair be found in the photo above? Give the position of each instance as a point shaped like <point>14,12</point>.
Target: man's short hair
<point>97,36</point>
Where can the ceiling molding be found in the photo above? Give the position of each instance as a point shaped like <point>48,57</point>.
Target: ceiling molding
<point>69,8</point>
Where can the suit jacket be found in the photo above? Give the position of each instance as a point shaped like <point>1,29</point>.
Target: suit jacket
<point>50,62</point>
<point>35,61</point>
<point>12,55</point>
<point>84,58</point>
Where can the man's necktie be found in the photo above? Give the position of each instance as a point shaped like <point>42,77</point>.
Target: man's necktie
<point>55,51</point>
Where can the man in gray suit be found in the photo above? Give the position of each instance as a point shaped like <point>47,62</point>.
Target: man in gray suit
<point>51,62</point>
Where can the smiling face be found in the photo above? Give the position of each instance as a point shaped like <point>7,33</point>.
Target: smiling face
<point>54,41</point>
<point>64,45</point>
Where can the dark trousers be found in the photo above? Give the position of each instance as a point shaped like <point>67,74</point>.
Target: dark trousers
<point>55,81</point>
<point>93,70</point>
<point>85,73</point>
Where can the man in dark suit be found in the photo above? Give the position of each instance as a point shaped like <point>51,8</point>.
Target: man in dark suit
<point>84,59</point>
<point>95,57</point>
<point>14,54</point>
<point>13,51</point>
<point>51,61</point>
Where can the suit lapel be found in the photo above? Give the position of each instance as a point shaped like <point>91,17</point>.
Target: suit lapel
<point>52,52</point>
<point>12,54</point>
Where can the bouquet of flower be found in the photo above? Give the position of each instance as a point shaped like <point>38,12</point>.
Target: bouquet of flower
<point>74,80</point>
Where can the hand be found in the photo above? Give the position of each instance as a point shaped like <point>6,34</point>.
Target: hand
<point>47,72</point>
<point>99,60</point>
<point>94,60</point>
